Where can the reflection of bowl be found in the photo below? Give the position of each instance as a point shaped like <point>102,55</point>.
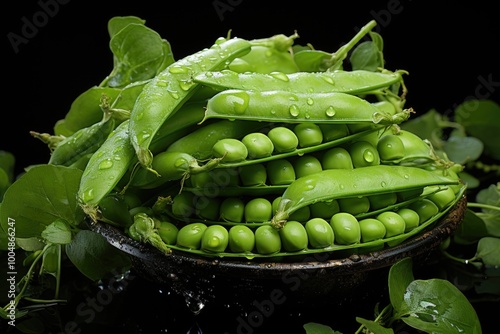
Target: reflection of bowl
<point>305,280</point>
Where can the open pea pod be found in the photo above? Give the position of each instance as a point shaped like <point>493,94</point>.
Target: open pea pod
<point>283,106</point>
<point>340,183</point>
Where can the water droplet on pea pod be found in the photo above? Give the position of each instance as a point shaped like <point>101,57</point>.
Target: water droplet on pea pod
<point>106,164</point>
<point>88,195</point>
<point>178,69</point>
<point>280,76</point>
<point>330,112</point>
<point>238,101</point>
<point>294,110</point>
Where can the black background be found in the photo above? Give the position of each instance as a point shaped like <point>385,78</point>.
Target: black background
<point>450,50</point>
<point>446,48</point>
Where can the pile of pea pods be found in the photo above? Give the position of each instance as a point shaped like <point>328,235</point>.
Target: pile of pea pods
<point>253,149</point>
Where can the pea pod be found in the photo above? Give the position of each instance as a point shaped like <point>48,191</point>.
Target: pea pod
<point>350,82</point>
<point>283,106</point>
<point>84,141</point>
<point>105,168</point>
<point>334,184</point>
<point>171,88</point>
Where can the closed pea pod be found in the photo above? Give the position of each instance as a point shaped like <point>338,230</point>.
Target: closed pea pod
<point>282,106</point>
<point>352,82</point>
<point>105,168</point>
<point>171,88</point>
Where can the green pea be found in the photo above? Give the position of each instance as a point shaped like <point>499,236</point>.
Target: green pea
<point>371,229</point>
<point>183,204</point>
<point>293,236</point>
<point>443,197</point>
<point>345,228</point>
<point>207,207</point>
<point>215,239</point>
<point>390,147</point>
<point>380,201</point>
<point>258,210</point>
<point>230,150</point>
<point>284,139</point>
<point>224,177</point>
<point>309,134</point>
<point>425,209</point>
<point>141,209</point>
<point>394,223</point>
<point>306,164</point>
<point>241,239</point>
<point>280,172</point>
<point>354,205</point>
<point>258,145</point>
<point>411,218</point>
<point>301,215</point>
<point>363,154</point>
<point>324,209</point>
<point>319,232</point>
<point>253,175</point>
<point>190,235</point>
<point>232,209</point>
<point>334,131</point>
<point>168,232</point>
<point>267,240</point>
<point>336,158</point>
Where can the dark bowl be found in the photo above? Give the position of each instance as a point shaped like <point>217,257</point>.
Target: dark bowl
<point>317,277</point>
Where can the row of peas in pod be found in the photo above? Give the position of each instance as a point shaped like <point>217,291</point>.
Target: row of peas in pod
<point>263,148</point>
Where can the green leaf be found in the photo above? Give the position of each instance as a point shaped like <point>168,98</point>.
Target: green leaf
<point>488,250</point>
<point>366,56</point>
<point>57,233</point>
<point>437,306</point>
<point>470,230</point>
<point>461,150</point>
<point>30,244</point>
<point>312,60</point>
<point>40,196</point>
<point>374,327</point>
<point>470,180</point>
<point>117,23</point>
<point>315,328</point>
<point>7,163</point>
<point>85,110</point>
<point>400,276</point>
<point>481,119</point>
<point>137,53</point>
<point>95,257</point>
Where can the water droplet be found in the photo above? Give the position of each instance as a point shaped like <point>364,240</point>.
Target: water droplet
<point>174,94</point>
<point>330,112</point>
<point>328,79</point>
<point>368,156</point>
<point>238,101</point>
<point>161,84</point>
<point>294,110</point>
<point>186,85</point>
<point>139,116</point>
<point>310,101</point>
<point>406,176</point>
<point>280,76</point>
<point>106,164</point>
<point>269,53</point>
<point>141,137</point>
<point>341,186</point>
<point>178,69</point>
<point>88,195</point>
<point>383,184</point>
